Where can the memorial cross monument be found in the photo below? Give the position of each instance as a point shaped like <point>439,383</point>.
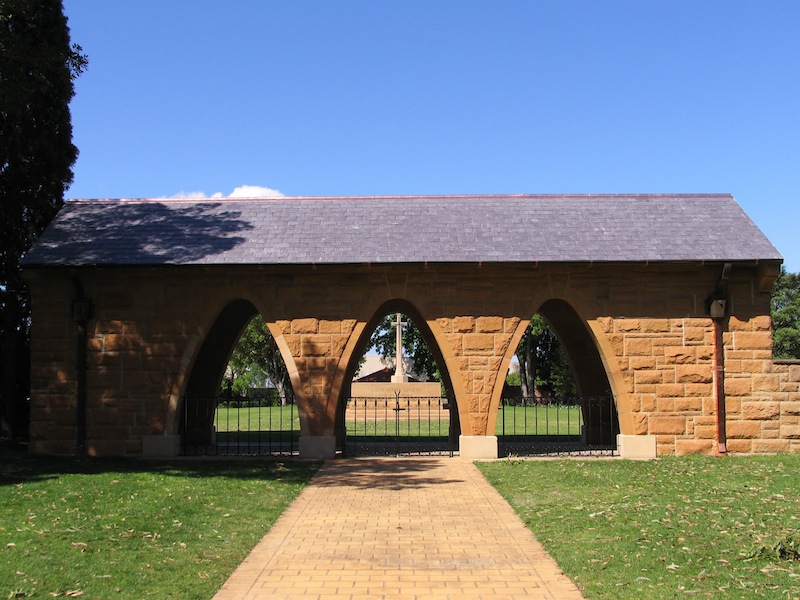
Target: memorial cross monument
<point>399,369</point>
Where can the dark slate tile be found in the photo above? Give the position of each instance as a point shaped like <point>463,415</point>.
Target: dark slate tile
<point>403,229</point>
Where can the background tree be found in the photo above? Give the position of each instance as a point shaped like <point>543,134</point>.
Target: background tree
<point>257,359</point>
<point>786,315</point>
<point>37,67</point>
<point>544,369</point>
<point>384,341</point>
<point>543,366</point>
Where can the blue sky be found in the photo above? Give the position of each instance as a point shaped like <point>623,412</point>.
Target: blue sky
<point>452,97</point>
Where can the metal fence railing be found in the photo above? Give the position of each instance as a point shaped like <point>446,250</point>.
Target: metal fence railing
<point>398,426</point>
<point>535,426</point>
<point>239,426</point>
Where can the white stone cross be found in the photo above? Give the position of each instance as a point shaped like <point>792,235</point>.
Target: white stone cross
<point>399,370</point>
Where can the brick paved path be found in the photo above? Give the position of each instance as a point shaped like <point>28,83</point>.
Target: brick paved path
<point>416,528</point>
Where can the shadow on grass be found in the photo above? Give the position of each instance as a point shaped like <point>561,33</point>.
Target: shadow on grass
<point>17,466</point>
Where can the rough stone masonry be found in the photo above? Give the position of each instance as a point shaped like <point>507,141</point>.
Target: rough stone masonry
<point>661,300</point>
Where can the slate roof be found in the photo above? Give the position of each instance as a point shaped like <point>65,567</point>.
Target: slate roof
<point>402,229</point>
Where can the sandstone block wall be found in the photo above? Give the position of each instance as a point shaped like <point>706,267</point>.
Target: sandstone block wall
<point>479,345</point>
<point>667,366</point>
<point>779,418</point>
<point>649,338</point>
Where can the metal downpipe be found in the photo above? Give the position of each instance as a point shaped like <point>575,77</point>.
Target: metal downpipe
<point>719,388</point>
<point>718,307</point>
<point>81,313</point>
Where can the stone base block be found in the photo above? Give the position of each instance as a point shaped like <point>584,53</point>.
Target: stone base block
<point>161,445</point>
<point>317,447</point>
<point>636,446</point>
<point>478,446</point>
<point>430,389</point>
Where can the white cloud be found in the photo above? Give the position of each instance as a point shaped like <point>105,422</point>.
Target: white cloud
<point>183,194</point>
<point>254,191</point>
<point>243,191</point>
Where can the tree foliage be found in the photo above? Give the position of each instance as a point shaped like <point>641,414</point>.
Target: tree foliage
<point>786,315</point>
<point>384,341</point>
<point>544,369</point>
<point>256,360</point>
<point>38,65</point>
<point>543,366</point>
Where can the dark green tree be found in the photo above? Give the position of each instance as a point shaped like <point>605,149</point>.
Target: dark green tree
<point>38,65</point>
<point>384,341</point>
<point>786,315</point>
<point>255,360</point>
<point>543,363</point>
<point>543,366</point>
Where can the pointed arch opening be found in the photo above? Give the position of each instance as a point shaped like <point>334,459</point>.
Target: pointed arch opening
<point>239,398</point>
<point>557,396</point>
<point>388,410</point>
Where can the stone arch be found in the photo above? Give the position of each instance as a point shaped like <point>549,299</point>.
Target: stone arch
<point>616,378</point>
<point>574,312</point>
<point>589,366</point>
<point>440,351</point>
<point>580,348</point>
<point>207,368</point>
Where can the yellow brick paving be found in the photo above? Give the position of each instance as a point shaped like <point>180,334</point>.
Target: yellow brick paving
<point>398,528</point>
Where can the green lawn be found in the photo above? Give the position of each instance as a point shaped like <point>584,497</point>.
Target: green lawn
<point>264,418</point>
<point>134,529</point>
<point>672,528</point>
<point>400,428</point>
<point>544,420</point>
<point>537,420</point>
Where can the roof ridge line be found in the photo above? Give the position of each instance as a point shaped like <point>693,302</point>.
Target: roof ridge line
<point>395,197</point>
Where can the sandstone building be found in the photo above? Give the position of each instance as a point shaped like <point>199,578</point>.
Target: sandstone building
<point>660,300</point>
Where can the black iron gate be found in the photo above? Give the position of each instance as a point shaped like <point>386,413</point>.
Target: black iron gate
<point>399,426</point>
<point>239,426</point>
<point>541,426</point>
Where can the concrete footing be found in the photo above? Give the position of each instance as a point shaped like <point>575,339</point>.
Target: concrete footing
<point>636,446</point>
<point>317,447</point>
<point>161,446</point>
<point>477,446</point>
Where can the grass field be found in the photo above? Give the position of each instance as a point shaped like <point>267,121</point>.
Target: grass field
<point>539,420</point>
<point>402,428</point>
<point>513,420</point>
<point>134,529</point>
<point>264,418</point>
<point>671,528</point>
